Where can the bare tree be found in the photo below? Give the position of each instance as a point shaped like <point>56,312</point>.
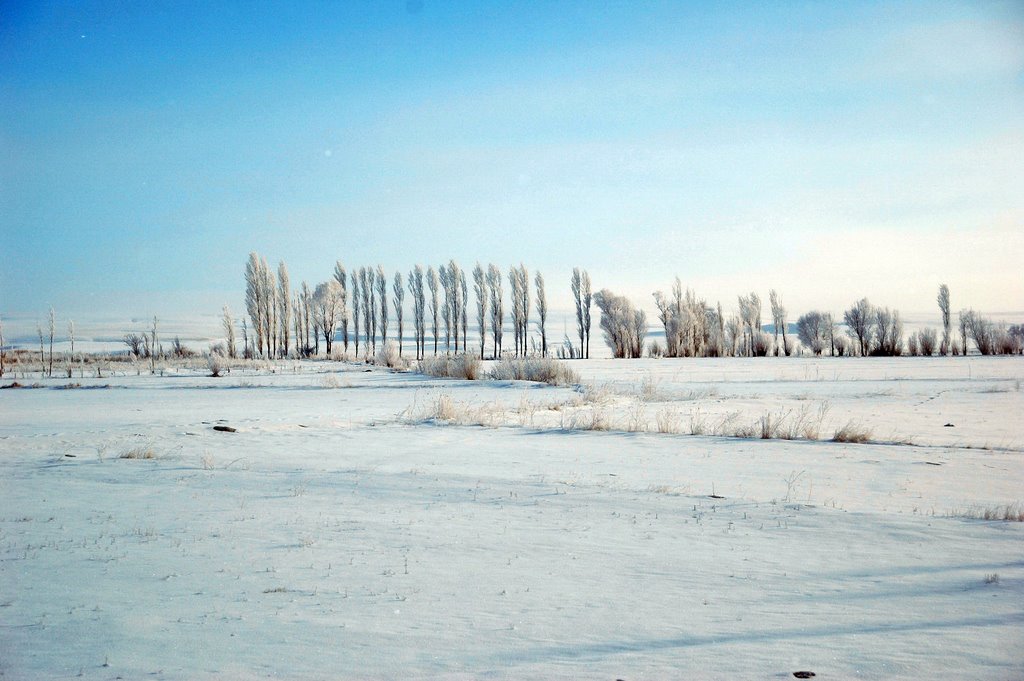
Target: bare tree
<point>354,279</point>
<point>943,301</point>
<point>480,291</point>
<point>446,310</point>
<point>229,331</point>
<point>463,305</point>
<point>858,322</point>
<point>514,283</point>
<point>497,307</point>
<point>52,326</point>
<point>576,282</point>
<point>542,312</point>
<point>588,297</point>
<point>964,321</point>
<point>42,351</point>
<point>369,309</point>
<point>255,297</point>
<point>307,317</point>
<point>778,322</point>
<point>888,332</point>
<point>432,284</point>
<point>2,353</point>
<point>155,347</point>
<point>71,337</point>
<point>382,295</point>
<point>284,306</point>
<point>418,309</point>
<point>327,310</point>
<point>297,324</point>
<point>399,300</point>
<point>341,276</point>
<point>812,330</point>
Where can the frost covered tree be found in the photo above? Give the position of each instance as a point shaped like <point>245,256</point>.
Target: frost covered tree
<point>228,322</point>
<point>858,323</point>
<point>888,333</point>
<point>356,307</point>
<point>284,309</point>
<point>418,309</point>
<point>432,284</point>
<point>53,328</point>
<point>2,353</point>
<point>382,295</point>
<point>307,318</point>
<point>327,311</point>
<point>542,312</point>
<point>446,309</point>
<point>463,306</point>
<point>341,276</point>
<point>576,283</point>
<point>366,286</point>
<point>398,288</point>
<point>258,300</point>
<point>625,327</point>
<point>943,301</point>
<point>588,297</point>
<point>750,315</point>
<point>496,307</point>
<point>964,319</point>
<point>778,322</point>
<point>480,292</point>
<point>514,283</point>
<point>812,330</point>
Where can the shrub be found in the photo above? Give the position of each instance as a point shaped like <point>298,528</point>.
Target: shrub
<point>852,432</point>
<point>215,363</point>
<point>540,369</point>
<point>138,453</point>
<point>389,356</point>
<point>465,366</point>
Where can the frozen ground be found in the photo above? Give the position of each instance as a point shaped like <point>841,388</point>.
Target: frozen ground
<point>344,532</point>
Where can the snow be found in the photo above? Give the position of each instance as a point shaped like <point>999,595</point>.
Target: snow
<point>342,532</point>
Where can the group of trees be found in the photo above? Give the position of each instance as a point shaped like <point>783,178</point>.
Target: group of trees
<point>444,292</point>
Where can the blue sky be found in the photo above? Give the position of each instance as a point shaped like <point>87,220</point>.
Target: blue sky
<point>829,150</point>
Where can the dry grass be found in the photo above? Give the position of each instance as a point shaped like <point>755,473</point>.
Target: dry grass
<point>1001,512</point>
<point>390,357</point>
<point>143,452</point>
<point>852,432</point>
<point>669,420</point>
<point>465,366</point>
<point>540,369</point>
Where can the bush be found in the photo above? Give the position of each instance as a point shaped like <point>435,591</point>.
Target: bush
<point>388,356</point>
<point>540,369</point>
<point>215,363</point>
<point>465,366</point>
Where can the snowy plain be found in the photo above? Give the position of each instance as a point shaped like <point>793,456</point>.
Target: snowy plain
<point>345,531</point>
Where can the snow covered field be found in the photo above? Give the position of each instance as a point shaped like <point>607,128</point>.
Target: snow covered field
<point>345,531</point>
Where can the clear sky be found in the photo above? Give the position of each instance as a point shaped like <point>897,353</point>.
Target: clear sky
<point>829,150</point>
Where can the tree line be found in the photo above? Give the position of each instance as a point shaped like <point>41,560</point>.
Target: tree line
<point>357,306</point>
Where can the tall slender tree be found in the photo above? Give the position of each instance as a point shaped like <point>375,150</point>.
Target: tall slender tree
<point>588,297</point>
<point>228,322</point>
<point>480,291</point>
<point>432,284</point>
<point>542,312</point>
<point>514,283</point>
<point>943,300</point>
<point>354,279</point>
<point>463,305</point>
<point>419,309</point>
<point>284,303</point>
<point>497,307</point>
<point>341,276</point>
<point>576,283</point>
<point>382,295</point>
<point>399,297</point>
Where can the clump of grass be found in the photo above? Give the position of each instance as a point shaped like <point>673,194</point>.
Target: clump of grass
<point>852,432</point>
<point>465,366</point>
<point>992,578</point>
<point>594,418</point>
<point>669,420</point>
<point>697,423</point>
<point>331,382</point>
<point>540,369</point>
<point>144,452</point>
<point>1002,512</point>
